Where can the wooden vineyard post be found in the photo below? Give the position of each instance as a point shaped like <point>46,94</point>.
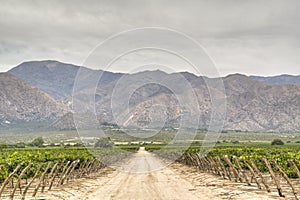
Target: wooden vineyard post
<point>286,178</point>
<point>208,164</point>
<point>204,164</point>
<point>217,167</point>
<point>295,168</point>
<point>72,169</point>
<point>64,176</point>
<point>54,175</point>
<point>90,166</point>
<point>81,167</point>
<point>241,170</point>
<point>84,169</point>
<point>220,170</point>
<point>229,172</point>
<point>223,173</point>
<point>221,167</point>
<point>100,166</point>
<point>235,172</point>
<point>200,164</point>
<point>93,169</point>
<point>90,170</point>
<point>63,172</point>
<point>214,166</point>
<point>8,178</point>
<point>33,178</point>
<point>224,168</point>
<point>197,160</point>
<point>260,175</point>
<point>42,179</point>
<point>83,164</point>
<point>186,159</point>
<point>97,165</point>
<point>12,194</point>
<point>254,175</point>
<point>273,177</point>
<point>50,175</point>
<point>192,160</point>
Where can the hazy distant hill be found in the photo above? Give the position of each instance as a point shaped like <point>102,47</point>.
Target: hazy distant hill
<point>53,77</point>
<point>254,105</point>
<point>20,102</point>
<point>251,105</point>
<point>278,80</point>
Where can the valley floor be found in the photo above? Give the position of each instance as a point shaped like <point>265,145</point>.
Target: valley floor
<point>145,176</point>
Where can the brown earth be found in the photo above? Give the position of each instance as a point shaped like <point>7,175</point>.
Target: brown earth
<point>144,176</point>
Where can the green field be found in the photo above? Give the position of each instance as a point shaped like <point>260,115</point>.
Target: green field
<point>253,151</point>
<point>162,136</point>
<point>10,158</point>
<point>244,145</point>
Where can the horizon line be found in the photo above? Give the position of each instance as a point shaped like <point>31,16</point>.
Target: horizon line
<point>123,72</point>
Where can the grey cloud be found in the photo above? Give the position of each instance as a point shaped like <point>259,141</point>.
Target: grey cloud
<point>240,35</point>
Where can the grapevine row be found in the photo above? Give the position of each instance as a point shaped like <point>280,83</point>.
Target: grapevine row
<point>46,176</point>
<point>247,171</point>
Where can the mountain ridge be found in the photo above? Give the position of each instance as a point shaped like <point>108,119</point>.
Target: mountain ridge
<point>279,79</point>
<point>21,102</point>
<point>49,77</point>
<point>251,104</point>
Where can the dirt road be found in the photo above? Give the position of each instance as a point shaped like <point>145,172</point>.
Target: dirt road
<point>145,176</point>
<point>141,179</point>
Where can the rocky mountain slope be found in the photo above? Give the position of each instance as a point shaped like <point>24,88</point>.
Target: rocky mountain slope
<point>20,102</point>
<point>251,105</point>
<point>55,78</point>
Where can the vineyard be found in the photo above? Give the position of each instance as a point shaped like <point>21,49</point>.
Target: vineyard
<point>269,168</point>
<point>26,172</point>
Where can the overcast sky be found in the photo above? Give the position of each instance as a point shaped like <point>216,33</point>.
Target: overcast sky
<point>241,36</point>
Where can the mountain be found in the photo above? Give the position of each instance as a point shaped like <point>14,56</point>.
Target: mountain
<point>278,80</point>
<point>251,105</point>
<point>155,98</point>
<point>20,102</point>
<point>56,78</point>
<point>254,105</point>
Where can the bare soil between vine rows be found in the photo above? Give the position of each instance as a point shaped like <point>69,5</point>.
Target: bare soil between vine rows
<point>140,179</point>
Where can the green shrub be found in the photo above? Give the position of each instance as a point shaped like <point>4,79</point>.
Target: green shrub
<point>277,142</point>
<point>104,143</point>
<point>37,142</point>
